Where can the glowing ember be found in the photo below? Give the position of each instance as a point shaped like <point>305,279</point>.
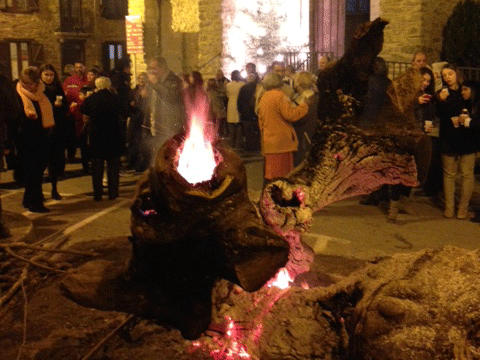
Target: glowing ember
<point>196,157</point>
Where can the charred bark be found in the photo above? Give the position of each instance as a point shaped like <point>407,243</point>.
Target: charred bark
<point>347,163</point>
<point>185,237</point>
<point>344,160</point>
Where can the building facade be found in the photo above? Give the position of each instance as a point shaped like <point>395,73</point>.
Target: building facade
<point>415,25</point>
<point>61,32</point>
<point>93,31</point>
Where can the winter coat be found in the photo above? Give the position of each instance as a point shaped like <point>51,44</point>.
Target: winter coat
<point>275,114</point>
<point>106,140</point>
<point>59,112</point>
<point>166,105</point>
<point>453,141</point>
<point>9,110</point>
<point>233,89</point>
<point>246,102</point>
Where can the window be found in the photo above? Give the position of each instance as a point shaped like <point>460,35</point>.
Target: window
<point>358,6</point>
<point>16,55</point>
<point>71,15</point>
<point>114,9</point>
<point>114,54</point>
<point>21,6</point>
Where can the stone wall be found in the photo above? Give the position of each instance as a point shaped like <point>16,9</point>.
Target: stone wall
<point>38,26</point>
<point>43,27</point>
<point>184,52</point>
<point>210,38</point>
<point>415,25</point>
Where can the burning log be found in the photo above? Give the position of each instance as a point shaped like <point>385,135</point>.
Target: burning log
<point>215,217</point>
<point>184,237</point>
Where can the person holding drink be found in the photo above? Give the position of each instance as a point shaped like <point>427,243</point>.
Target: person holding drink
<point>59,133</point>
<point>424,111</point>
<point>457,143</point>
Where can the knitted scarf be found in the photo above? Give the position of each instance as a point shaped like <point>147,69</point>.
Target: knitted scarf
<point>40,97</point>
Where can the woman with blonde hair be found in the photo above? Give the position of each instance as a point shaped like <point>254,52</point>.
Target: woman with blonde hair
<point>36,123</point>
<point>276,113</point>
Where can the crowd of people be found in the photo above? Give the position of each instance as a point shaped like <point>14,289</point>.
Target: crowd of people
<point>445,108</point>
<point>50,117</point>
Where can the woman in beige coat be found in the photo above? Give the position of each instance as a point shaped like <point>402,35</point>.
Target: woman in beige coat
<point>276,112</point>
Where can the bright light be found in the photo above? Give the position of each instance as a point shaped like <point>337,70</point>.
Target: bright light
<point>282,280</point>
<point>279,57</point>
<point>196,157</point>
<point>302,56</point>
<point>294,28</point>
<point>262,69</point>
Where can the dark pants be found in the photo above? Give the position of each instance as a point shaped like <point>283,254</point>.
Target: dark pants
<point>56,163</point>
<point>236,135</point>
<point>252,136</point>
<point>434,183</point>
<point>84,151</point>
<point>113,175</point>
<point>34,164</point>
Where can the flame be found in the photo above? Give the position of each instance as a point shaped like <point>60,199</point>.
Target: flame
<point>196,157</point>
<point>282,280</point>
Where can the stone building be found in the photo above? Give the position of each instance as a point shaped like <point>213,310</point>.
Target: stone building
<point>61,32</point>
<point>415,25</point>
<point>93,31</point>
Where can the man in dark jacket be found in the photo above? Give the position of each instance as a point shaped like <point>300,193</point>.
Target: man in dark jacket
<point>248,118</point>
<point>166,108</point>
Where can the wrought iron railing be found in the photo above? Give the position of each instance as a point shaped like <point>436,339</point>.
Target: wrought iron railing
<point>305,61</point>
<point>308,61</point>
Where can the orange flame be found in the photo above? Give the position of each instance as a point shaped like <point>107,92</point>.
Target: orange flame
<point>196,157</point>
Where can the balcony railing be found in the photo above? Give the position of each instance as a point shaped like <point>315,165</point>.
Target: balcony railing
<point>71,19</point>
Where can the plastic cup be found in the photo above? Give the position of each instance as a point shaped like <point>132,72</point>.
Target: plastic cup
<point>455,121</point>
<point>428,125</point>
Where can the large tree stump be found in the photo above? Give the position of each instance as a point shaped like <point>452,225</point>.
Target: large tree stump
<point>184,237</point>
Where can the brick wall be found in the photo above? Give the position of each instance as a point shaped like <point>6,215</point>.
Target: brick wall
<point>415,25</point>
<point>43,27</point>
